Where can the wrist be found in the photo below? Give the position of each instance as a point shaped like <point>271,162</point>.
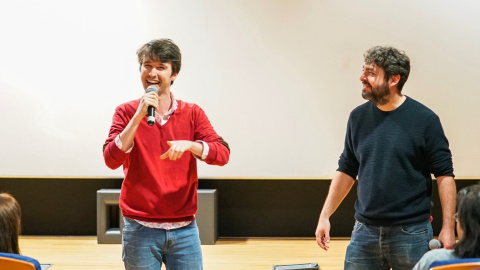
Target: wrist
<point>324,216</point>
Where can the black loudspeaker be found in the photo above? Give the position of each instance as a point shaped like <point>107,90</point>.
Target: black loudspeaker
<point>303,266</point>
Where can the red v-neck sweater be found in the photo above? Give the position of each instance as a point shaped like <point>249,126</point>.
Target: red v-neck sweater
<point>162,190</point>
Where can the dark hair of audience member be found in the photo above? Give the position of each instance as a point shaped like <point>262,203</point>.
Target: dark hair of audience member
<point>10,214</point>
<point>468,205</point>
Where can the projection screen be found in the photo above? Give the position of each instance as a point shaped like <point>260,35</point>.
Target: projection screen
<point>277,79</point>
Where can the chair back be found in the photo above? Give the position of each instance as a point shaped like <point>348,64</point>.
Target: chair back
<point>458,264</point>
<point>18,262</point>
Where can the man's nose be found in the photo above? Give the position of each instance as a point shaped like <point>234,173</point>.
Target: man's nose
<point>153,72</point>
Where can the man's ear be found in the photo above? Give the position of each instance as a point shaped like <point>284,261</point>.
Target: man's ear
<point>394,79</point>
<point>174,76</point>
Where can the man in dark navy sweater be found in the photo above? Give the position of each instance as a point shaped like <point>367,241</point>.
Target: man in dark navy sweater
<point>393,144</point>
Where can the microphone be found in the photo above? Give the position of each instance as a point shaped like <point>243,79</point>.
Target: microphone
<point>151,109</point>
<point>435,244</point>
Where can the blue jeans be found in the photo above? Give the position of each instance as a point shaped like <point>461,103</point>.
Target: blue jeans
<point>397,247</point>
<point>146,248</point>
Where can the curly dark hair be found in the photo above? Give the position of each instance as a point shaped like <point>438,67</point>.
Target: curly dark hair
<point>468,211</point>
<point>391,60</point>
<point>163,50</point>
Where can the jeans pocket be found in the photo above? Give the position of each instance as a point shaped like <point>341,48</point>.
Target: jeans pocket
<point>415,229</point>
<point>131,225</point>
<point>357,227</point>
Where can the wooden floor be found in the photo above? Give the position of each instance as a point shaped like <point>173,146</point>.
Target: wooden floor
<point>71,253</point>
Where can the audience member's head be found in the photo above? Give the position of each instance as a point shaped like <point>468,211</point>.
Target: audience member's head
<point>468,222</point>
<point>10,214</point>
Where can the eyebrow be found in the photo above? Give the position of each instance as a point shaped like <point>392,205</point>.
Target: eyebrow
<point>368,68</point>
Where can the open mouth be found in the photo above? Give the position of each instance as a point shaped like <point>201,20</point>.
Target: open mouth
<point>366,85</point>
<point>153,82</point>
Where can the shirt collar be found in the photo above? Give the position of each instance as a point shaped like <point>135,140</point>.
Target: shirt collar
<point>172,108</point>
<point>174,105</point>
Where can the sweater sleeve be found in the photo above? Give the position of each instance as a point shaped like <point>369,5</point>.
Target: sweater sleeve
<point>439,157</point>
<point>114,156</point>
<point>219,150</point>
<point>348,162</point>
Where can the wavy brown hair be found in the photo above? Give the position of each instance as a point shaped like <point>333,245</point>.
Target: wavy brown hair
<point>10,214</point>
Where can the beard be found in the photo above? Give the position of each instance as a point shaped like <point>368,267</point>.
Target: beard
<point>379,95</point>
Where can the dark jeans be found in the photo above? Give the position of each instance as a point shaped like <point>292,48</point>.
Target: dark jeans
<point>397,247</point>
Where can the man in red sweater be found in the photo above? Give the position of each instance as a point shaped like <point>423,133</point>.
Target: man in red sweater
<point>159,193</point>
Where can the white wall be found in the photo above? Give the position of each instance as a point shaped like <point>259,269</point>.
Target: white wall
<point>277,78</point>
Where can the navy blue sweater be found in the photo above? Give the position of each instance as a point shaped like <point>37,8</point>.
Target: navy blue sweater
<point>394,154</point>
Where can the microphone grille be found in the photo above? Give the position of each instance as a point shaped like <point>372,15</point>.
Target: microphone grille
<point>152,88</point>
<point>434,244</point>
